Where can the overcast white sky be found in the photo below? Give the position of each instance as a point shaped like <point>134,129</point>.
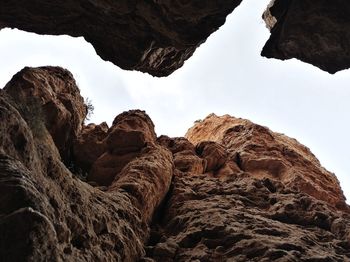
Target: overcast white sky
<point>226,75</point>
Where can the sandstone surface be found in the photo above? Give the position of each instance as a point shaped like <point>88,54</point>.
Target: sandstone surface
<point>231,190</point>
<point>46,212</point>
<point>316,32</point>
<point>89,145</point>
<point>53,95</point>
<point>131,134</point>
<point>266,154</point>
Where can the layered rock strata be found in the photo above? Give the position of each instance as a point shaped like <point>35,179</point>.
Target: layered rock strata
<point>156,37</point>
<point>316,32</point>
<point>229,190</point>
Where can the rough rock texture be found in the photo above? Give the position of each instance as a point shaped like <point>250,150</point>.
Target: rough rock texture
<point>50,95</point>
<point>90,145</point>
<point>272,201</point>
<point>265,154</point>
<point>214,154</point>
<point>150,36</point>
<point>185,158</point>
<point>231,191</point>
<point>48,214</point>
<point>316,32</point>
<point>130,135</point>
<point>240,218</point>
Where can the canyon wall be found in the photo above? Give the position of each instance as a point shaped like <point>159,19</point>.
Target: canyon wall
<point>229,189</point>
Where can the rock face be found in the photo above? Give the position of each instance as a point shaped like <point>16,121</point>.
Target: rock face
<point>265,154</point>
<point>89,145</point>
<point>240,218</point>
<point>46,213</point>
<point>164,34</point>
<point>263,197</point>
<point>230,190</point>
<point>157,37</point>
<point>52,94</point>
<point>131,134</point>
<point>149,36</point>
<point>316,32</point>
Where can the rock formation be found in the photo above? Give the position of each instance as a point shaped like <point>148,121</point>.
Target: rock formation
<point>48,214</point>
<point>157,37</point>
<point>53,94</point>
<point>316,32</point>
<point>265,154</point>
<point>229,190</point>
<point>149,36</point>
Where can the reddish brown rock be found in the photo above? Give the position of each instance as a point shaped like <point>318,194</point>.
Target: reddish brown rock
<point>108,166</point>
<point>316,32</point>
<point>51,92</point>
<point>214,154</point>
<point>265,154</point>
<point>241,218</point>
<point>149,36</point>
<point>186,161</point>
<point>146,180</point>
<point>90,145</point>
<point>130,133</point>
<point>185,157</point>
<point>48,214</point>
<point>260,199</point>
<point>176,144</point>
<point>248,210</point>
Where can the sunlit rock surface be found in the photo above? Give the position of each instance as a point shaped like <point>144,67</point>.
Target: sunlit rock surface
<point>230,190</point>
<point>316,32</point>
<point>266,154</point>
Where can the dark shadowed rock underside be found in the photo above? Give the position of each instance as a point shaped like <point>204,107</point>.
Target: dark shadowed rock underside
<point>150,36</point>
<point>157,37</point>
<point>316,32</point>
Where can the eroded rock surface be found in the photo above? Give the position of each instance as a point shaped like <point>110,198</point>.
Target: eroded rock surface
<point>184,154</point>
<point>262,197</point>
<point>240,218</point>
<point>90,145</point>
<point>157,37</point>
<point>48,214</point>
<point>131,134</point>
<point>316,32</point>
<point>266,154</point>
<point>49,95</point>
<point>230,190</point>
<point>149,36</point>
